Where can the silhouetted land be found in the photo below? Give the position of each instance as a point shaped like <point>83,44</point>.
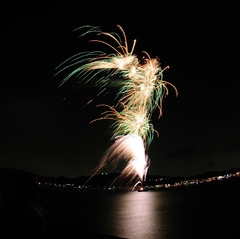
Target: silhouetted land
<point>103,182</point>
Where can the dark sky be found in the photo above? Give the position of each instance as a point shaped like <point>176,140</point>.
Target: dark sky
<point>44,128</point>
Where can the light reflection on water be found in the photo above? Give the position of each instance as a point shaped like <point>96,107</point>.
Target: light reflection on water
<point>133,215</point>
<point>171,214</point>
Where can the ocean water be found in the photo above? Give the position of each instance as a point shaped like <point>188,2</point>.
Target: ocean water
<point>209,211</point>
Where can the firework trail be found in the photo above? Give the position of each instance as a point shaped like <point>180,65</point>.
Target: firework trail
<point>141,92</point>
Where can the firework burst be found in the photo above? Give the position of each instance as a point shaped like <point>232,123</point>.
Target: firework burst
<point>141,92</point>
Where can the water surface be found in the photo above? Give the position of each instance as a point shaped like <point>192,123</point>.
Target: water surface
<point>195,212</point>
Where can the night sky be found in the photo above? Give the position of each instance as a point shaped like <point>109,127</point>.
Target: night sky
<point>44,128</point>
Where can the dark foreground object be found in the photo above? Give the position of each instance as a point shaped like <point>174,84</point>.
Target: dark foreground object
<point>22,215</point>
